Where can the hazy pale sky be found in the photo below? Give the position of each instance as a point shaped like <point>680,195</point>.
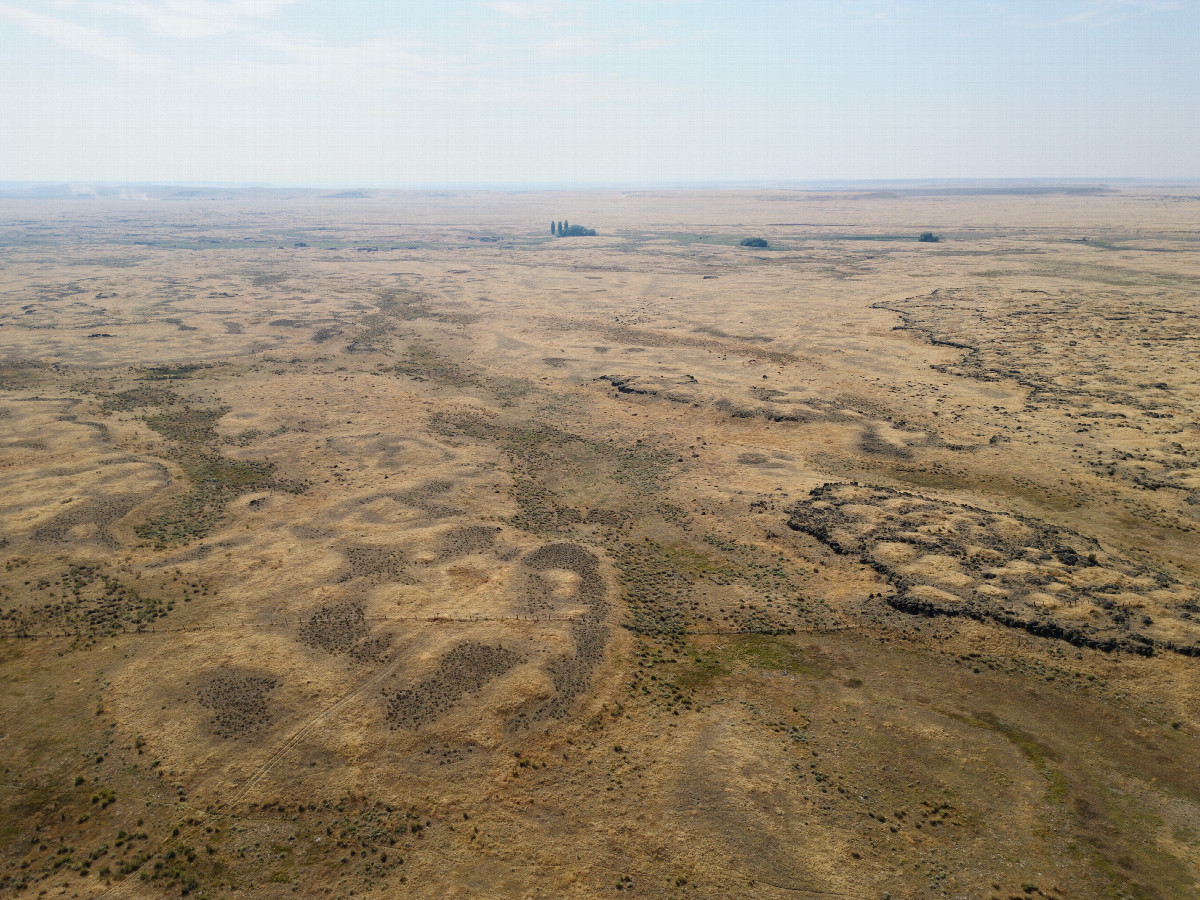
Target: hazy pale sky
<point>367,92</point>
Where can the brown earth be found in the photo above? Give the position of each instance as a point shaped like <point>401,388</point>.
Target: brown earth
<point>463,567</point>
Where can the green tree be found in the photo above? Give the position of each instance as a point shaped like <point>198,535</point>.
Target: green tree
<point>554,228</point>
<point>928,237</point>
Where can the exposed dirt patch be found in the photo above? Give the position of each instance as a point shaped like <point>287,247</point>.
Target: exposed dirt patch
<point>467,578</point>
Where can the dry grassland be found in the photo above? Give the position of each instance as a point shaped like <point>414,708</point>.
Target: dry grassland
<point>391,547</point>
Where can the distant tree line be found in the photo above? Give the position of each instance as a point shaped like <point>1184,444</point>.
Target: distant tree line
<point>565,229</point>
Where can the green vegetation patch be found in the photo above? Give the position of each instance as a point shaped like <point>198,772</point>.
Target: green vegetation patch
<point>215,481</point>
<point>779,654</point>
<point>166,373</point>
<point>374,334</point>
<point>658,585</point>
<point>1057,785</point>
<point>16,375</point>
<point>676,588</point>
<point>136,398</point>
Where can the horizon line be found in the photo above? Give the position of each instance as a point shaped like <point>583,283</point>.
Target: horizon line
<point>822,184</point>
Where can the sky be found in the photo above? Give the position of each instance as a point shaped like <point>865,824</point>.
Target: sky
<point>596,92</point>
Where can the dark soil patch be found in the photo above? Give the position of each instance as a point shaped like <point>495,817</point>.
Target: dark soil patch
<point>547,461</point>
<point>423,498</point>
<point>465,669</point>
<point>870,443</point>
<point>608,518</point>
<point>423,363</point>
<point>572,673</point>
<point>572,558</point>
<point>238,700</point>
<point>336,628</point>
<point>214,479</point>
<point>377,564</point>
<point>467,539</point>
<point>372,649</point>
<point>99,513</point>
<point>752,459</point>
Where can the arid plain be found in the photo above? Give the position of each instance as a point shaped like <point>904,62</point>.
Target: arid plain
<point>386,545</point>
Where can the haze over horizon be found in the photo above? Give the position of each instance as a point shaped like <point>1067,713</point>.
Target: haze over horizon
<point>301,92</point>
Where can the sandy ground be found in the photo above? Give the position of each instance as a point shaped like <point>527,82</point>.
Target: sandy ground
<point>394,547</point>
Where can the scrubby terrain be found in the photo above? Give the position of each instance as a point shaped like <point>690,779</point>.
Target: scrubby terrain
<point>387,546</point>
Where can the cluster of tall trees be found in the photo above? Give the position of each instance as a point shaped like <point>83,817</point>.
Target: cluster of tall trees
<point>565,229</point>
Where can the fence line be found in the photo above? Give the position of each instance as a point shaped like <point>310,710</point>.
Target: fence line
<point>281,623</point>
<point>458,620</point>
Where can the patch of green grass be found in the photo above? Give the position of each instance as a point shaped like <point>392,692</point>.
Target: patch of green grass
<point>165,373</point>
<point>1057,785</point>
<point>766,651</point>
<point>215,481</point>
<point>683,558</point>
<point>136,398</point>
<point>702,668</point>
<point>656,589</point>
<point>557,472</point>
<point>1105,852</point>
